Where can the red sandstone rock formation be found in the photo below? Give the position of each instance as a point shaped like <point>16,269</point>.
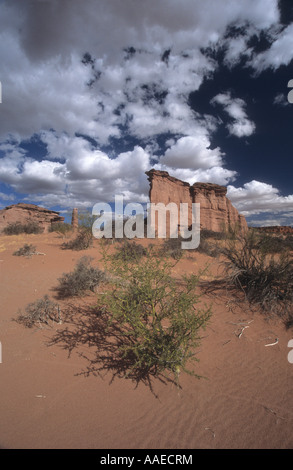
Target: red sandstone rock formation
<point>216,211</point>
<point>29,212</point>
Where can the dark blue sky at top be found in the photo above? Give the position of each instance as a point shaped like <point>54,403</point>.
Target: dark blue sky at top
<point>267,155</point>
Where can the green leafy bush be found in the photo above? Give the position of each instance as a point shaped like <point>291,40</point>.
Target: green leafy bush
<point>158,320</point>
<point>83,278</point>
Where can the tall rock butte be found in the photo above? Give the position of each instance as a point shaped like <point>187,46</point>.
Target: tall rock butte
<point>216,211</point>
<point>23,213</point>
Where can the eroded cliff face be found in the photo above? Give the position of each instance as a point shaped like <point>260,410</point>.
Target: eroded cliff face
<point>216,211</point>
<point>29,212</point>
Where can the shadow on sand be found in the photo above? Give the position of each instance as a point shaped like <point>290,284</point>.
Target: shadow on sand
<point>86,330</point>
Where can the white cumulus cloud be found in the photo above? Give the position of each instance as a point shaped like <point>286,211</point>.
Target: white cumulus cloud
<point>256,197</point>
<point>192,152</point>
<point>241,126</point>
<point>117,69</point>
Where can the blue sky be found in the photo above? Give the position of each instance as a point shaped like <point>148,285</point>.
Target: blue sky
<point>95,93</point>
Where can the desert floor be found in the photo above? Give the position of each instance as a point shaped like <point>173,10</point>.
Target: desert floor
<point>51,399</point>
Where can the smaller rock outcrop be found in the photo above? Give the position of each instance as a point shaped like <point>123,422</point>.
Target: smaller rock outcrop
<point>24,213</point>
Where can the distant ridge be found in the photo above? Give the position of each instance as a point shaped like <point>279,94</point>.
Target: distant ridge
<point>275,229</point>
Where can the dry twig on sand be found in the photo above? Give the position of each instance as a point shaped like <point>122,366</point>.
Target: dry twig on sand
<point>240,334</point>
<point>213,433</point>
<point>273,412</point>
<point>273,344</point>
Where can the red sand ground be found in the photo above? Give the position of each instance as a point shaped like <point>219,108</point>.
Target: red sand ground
<point>245,401</point>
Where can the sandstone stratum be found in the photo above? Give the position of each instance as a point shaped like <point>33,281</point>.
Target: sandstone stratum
<point>23,213</point>
<point>216,211</point>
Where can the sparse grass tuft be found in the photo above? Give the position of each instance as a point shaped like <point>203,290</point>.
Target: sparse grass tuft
<point>25,250</point>
<point>172,247</point>
<point>41,311</point>
<point>130,251</point>
<point>61,227</point>
<point>82,241</point>
<point>83,278</point>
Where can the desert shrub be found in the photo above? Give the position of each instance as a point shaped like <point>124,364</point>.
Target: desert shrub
<point>274,244</point>
<point>83,278</point>
<point>232,232</point>
<point>130,251</point>
<point>158,321</point>
<point>206,234</point>
<point>208,248</point>
<point>32,227</point>
<point>60,227</point>
<point>113,239</point>
<point>86,219</point>
<point>289,241</point>
<point>172,247</point>
<point>266,279</point>
<point>16,228</point>
<point>82,241</point>
<point>41,311</point>
<point>289,320</point>
<point>25,250</point>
